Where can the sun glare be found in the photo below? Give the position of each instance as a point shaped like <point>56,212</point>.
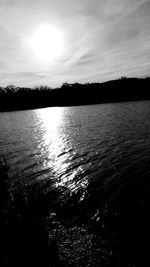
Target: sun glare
<point>47,42</point>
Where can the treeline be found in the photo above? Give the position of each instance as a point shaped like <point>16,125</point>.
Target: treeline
<point>123,89</point>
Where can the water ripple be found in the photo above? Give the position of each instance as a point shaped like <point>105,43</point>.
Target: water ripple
<point>87,149</point>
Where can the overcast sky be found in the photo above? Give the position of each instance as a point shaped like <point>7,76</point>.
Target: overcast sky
<point>104,39</point>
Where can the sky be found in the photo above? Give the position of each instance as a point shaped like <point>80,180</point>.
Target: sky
<point>103,40</point>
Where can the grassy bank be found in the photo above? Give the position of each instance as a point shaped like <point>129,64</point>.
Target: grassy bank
<point>25,219</point>
<point>39,226</point>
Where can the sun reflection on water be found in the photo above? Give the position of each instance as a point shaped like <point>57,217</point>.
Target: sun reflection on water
<point>51,120</point>
<point>58,150</point>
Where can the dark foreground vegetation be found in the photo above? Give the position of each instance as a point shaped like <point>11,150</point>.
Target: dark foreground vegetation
<point>47,228</point>
<point>124,89</point>
<point>38,229</point>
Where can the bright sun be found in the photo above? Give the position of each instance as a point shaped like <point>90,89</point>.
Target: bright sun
<point>47,42</point>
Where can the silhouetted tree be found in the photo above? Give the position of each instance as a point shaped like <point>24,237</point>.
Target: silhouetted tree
<point>123,89</point>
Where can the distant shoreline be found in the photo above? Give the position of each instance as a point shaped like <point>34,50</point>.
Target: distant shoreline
<point>122,90</point>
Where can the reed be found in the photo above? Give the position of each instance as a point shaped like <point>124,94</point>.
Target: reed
<point>24,222</point>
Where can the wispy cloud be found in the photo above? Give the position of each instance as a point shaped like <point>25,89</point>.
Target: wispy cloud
<point>103,40</point>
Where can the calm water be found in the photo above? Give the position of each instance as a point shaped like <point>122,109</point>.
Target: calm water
<point>78,147</point>
<point>98,159</point>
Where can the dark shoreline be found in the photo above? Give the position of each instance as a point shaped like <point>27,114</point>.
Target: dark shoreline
<point>38,227</point>
<point>123,90</point>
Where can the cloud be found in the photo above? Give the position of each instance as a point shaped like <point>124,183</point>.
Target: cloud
<point>104,39</point>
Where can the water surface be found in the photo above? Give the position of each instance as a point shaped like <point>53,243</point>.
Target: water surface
<point>78,146</point>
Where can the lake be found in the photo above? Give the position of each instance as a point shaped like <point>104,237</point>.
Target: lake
<point>98,158</point>
<point>76,146</point>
